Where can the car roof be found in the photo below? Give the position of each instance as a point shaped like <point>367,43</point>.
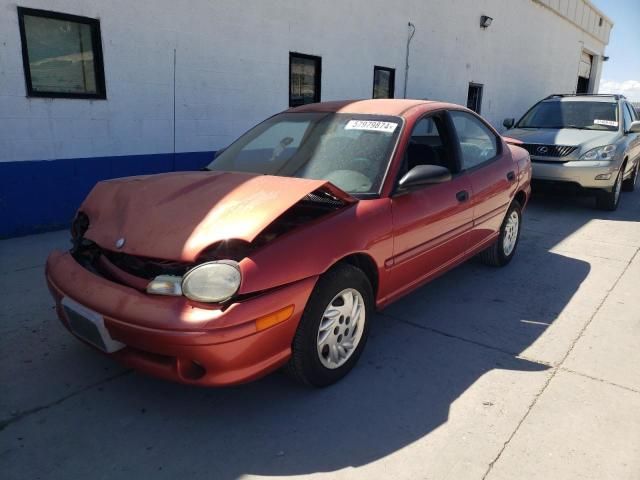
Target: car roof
<point>382,106</point>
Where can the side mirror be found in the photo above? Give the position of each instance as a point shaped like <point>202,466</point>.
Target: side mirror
<point>422,175</point>
<point>634,127</point>
<point>509,122</point>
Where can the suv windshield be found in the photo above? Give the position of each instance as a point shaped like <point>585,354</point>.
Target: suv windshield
<point>572,114</point>
<point>350,151</point>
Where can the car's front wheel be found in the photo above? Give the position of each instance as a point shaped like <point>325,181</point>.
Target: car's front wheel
<point>334,327</point>
<point>609,200</point>
<point>503,250</point>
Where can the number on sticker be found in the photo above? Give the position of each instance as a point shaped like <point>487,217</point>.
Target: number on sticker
<point>371,126</point>
<point>609,123</point>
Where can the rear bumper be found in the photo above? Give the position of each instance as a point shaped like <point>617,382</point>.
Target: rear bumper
<point>580,172</point>
<point>171,338</point>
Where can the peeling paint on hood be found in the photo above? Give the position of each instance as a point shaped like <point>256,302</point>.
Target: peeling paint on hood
<point>175,216</point>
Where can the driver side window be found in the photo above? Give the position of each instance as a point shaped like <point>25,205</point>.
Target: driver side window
<point>477,142</point>
<point>427,145</point>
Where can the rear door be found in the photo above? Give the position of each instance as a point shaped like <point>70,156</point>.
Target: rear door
<point>491,172</point>
<point>430,225</point>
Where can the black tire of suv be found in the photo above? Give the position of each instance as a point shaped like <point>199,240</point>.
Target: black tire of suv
<point>629,185</point>
<point>609,200</point>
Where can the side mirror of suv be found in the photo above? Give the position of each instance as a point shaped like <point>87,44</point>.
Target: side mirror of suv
<point>509,122</point>
<point>634,127</point>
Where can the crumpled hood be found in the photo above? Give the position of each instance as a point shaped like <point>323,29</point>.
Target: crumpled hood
<point>565,136</point>
<point>175,216</point>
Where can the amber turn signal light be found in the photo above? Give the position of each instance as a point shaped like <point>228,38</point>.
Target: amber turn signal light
<point>274,318</point>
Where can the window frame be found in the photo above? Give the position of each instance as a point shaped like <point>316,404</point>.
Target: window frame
<point>632,112</point>
<point>626,112</point>
<point>317,81</point>
<point>449,138</point>
<point>480,86</point>
<point>392,80</point>
<point>98,60</point>
<point>499,145</point>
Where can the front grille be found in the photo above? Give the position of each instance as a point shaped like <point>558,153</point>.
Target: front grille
<point>557,151</point>
<point>146,267</point>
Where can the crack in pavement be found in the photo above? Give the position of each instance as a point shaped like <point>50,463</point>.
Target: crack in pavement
<point>21,415</point>
<point>601,380</point>
<point>558,368</point>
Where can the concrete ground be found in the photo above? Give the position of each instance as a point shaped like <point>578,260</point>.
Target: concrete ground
<point>527,372</point>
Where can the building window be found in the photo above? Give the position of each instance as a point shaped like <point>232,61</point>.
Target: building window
<point>474,97</point>
<point>62,55</point>
<point>384,82</point>
<point>305,72</point>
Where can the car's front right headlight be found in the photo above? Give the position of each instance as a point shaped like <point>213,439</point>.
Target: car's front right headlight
<point>212,282</point>
<point>606,152</point>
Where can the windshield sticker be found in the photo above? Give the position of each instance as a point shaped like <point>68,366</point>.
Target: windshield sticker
<point>371,126</point>
<point>609,123</point>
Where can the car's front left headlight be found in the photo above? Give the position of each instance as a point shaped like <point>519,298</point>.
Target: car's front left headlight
<point>212,282</point>
<point>606,152</point>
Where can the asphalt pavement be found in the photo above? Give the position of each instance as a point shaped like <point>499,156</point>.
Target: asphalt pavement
<point>529,372</point>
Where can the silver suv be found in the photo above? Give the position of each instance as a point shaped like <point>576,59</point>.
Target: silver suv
<point>592,141</point>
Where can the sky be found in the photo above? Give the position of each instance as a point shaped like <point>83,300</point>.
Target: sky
<point>621,74</point>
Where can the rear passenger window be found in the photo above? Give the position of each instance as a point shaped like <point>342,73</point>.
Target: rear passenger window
<point>477,142</point>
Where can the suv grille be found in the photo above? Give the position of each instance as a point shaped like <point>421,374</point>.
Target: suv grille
<point>548,150</point>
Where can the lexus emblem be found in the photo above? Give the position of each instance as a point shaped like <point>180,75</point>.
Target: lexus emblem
<point>120,242</point>
<point>542,149</point>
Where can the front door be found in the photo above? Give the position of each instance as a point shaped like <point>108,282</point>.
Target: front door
<point>430,225</point>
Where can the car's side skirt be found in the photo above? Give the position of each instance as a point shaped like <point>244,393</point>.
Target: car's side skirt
<point>383,302</point>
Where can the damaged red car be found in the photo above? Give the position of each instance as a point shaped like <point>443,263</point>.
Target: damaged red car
<point>279,253</point>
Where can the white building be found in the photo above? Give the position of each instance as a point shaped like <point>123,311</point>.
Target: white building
<point>155,85</point>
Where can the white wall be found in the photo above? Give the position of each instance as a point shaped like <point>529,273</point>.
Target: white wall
<point>233,57</point>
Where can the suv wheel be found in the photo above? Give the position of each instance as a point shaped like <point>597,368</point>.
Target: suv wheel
<point>609,200</point>
<point>629,185</point>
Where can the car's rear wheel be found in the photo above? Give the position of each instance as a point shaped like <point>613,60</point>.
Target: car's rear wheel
<point>609,200</point>
<point>629,185</point>
<point>334,327</point>
<point>503,250</point>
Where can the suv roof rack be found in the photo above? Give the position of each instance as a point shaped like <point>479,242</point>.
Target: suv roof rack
<point>561,95</point>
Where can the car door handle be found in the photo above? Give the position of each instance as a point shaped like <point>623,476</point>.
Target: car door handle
<point>511,176</point>
<point>462,196</point>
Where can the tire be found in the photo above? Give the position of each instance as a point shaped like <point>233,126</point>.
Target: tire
<point>609,200</point>
<point>502,251</point>
<point>311,363</point>
<point>629,185</point>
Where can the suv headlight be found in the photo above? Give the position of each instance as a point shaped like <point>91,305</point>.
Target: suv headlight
<point>212,282</point>
<point>605,152</point>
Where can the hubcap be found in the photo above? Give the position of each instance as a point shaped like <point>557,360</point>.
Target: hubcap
<point>511,233</point>
<point>341,328</point>
<point>618,187</point>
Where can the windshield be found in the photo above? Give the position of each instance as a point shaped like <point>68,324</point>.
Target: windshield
<point>572,114</point>
<point>350,151</point>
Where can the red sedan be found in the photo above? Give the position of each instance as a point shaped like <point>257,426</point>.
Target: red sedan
<point>279,254</point>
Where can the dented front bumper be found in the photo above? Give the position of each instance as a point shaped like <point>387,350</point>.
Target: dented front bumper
<point>172,338</point>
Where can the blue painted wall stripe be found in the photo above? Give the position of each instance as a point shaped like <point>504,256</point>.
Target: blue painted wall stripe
<point>39,196</point>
